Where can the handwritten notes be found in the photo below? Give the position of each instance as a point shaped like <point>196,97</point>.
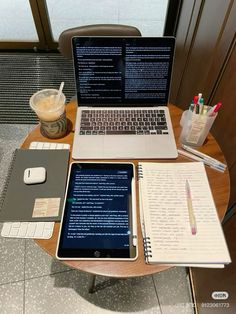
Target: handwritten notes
<point>165,218</point>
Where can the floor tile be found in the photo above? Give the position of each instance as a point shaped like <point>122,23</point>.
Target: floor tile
<point>13,132</point>
<point>11,250</point>
<point>12,298</point>
<point>11,259</point>
<point>11,137</point>
<point>68,293</point>
<point>39,263</point>
<point>174,291</point>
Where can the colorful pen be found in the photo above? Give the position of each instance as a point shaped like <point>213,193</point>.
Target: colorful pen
<point>214,109</point>
<point>201,104</point>
<point>217,107</point>
<point>199,98</point>
<point>195,99</point>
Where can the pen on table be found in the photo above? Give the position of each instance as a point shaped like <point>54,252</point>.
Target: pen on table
<point>134,213</point>
<point>194,157</point>
<point>204,156</point>
<point>192,220</point>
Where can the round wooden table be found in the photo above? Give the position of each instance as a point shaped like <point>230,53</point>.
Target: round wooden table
<point>219,183</point>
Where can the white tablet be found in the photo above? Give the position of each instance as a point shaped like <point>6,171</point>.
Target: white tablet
<point>99,215</point>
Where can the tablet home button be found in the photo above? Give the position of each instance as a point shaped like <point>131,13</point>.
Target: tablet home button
<point>97,254</point>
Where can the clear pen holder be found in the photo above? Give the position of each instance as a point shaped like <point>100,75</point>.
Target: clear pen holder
<point>195,127</point>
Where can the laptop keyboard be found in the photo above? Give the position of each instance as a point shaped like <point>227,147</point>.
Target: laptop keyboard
<point>130,121</point>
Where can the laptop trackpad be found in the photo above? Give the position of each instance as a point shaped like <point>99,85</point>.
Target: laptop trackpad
<point>123,146</point>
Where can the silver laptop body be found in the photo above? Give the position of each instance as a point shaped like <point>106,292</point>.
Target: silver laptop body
<point>122,91</point>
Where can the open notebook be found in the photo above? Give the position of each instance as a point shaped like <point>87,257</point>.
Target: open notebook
<point>166,220</point>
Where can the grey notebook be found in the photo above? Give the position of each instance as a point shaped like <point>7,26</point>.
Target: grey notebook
<point>35,202</point>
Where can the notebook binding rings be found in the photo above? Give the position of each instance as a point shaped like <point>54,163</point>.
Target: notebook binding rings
<point>140,172</point>
<point>6,182</point>
<point>147,247</point>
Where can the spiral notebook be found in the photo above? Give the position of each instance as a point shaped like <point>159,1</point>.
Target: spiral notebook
<point>166,220</point>
<point>35,202</point>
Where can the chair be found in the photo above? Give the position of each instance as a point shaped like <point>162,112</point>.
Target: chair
<point>93,30</point>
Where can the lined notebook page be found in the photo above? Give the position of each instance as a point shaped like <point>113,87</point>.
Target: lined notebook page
<point>165,215</point>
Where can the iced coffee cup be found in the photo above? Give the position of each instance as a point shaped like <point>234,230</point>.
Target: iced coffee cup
<point>50,110</point>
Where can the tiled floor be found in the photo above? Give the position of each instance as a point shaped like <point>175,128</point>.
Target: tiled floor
<point>32,282</point>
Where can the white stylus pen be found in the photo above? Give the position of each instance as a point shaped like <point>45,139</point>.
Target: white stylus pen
<point>134,213</point>
<point>192,219</point>
<point>207,158</point>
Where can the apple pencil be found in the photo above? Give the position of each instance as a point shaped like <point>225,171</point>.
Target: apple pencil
<point>192,219</point>
<point>134,213</point>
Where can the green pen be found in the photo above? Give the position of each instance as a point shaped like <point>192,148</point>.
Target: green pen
<point>201,104</point>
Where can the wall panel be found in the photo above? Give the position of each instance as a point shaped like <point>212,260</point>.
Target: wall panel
<point>205,62</point>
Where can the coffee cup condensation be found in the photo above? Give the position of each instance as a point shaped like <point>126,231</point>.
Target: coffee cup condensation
<point>50,111</point>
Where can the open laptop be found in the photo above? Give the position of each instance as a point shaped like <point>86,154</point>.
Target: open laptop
<point>122,91</point>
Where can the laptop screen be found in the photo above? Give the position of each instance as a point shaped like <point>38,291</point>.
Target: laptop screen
<point>123,70</point>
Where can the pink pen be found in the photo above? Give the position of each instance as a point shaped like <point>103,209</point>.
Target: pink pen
<point>195,100</point>
<point>214,110</point>
<point>217,107</point>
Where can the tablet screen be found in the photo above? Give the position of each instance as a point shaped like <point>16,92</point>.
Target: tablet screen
<point>97,220</point>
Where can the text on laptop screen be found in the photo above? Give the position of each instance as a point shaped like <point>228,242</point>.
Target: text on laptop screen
<point>123,70</point>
